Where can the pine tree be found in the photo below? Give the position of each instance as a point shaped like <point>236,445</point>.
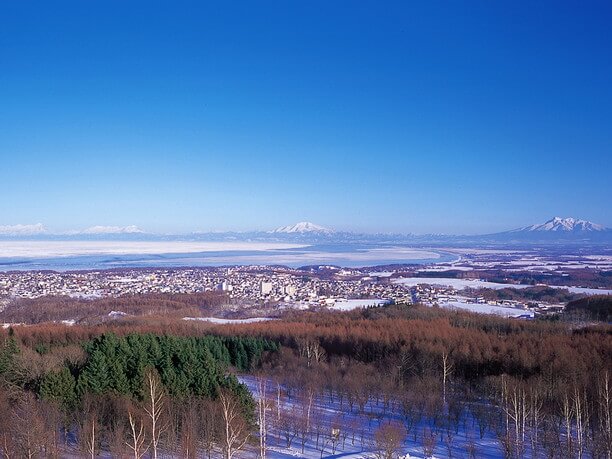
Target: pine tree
<point>59,387</point>
<point>95,376</point>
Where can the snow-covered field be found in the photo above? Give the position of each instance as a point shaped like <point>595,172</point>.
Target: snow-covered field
<point>382,273</point>
<point>216,320</point>
<point>457,284</point>
<point>356,427</point>
<point>486,308</point>
<point>444,268</point>
<point>349,305</point>
<point>460,284</point>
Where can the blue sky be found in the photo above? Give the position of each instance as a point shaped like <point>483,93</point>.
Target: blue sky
<point>457,117</point>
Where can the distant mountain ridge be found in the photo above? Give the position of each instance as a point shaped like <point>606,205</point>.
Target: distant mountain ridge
<point>99,229</point>
<point>564,224</point>
<point>556,230</point>
<point>301,228</point>
<point>22,230</point>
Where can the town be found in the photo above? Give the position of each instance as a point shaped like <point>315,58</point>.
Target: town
<point>266,287</point>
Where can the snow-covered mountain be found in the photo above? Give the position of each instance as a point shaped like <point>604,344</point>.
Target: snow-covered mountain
<point>130,229</point>
<point>564,224</point>
<point>302,228</point>
<point>555,230</point>
<point>22,230</point>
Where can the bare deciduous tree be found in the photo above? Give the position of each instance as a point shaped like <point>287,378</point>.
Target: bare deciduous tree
<point>89,435</point>
<point>27,427</point>
<point>154,407</point>
<point>137,439</point>
<point>209,425</point>
<point>388,440</point>
<point>189,430</point>
<point>429,442</point>
<point>263,406</point>
<point>311,350</point>
<point>447,371</point>
<point>604,405</point>
<point>235,428</point>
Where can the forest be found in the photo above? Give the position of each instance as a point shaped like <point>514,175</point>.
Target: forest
<point>91,311</point>
<point>121,387</point>
<point>537,294</point>
<point>597,307</point>
<point>586,277</point>
<point>447,381</point>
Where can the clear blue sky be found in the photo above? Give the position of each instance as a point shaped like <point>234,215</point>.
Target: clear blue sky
<point>457,117</point>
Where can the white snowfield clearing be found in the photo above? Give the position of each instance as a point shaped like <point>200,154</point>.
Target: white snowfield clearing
<point>457,284</point>
<point>51,249</point>
<point>487,309</point>
<point>460,284</point>
<point>444,268</point>
<point>357,425</point>
<point>216,320</point>
<point>349,305</point>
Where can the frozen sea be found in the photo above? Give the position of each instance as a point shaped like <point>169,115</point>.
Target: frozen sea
<point>88,255</point>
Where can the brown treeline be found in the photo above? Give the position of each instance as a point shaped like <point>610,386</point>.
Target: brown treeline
<point>479,345</point>
<point>57,308</point>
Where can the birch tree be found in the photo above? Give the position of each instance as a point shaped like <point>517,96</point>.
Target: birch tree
<point>137,437</point>
<point>154,407</point>
<point>235,428</point>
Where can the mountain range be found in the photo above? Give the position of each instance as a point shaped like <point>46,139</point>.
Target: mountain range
<point>555,230</point>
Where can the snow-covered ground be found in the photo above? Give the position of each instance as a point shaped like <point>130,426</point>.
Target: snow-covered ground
<point>216,320</point>
<point>356,426</point>
<point>349,305</point>
<point>486,308</point>
<point>382,273</point>
<point>460,284</point>
<point>457,284</point>
<point>444,268</point>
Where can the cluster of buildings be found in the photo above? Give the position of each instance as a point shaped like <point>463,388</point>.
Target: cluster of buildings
<point>253,284</point>
<point>445,295</point>
<point>322,286</point>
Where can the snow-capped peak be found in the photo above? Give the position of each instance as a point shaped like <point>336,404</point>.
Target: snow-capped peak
<point>130,229</point>
<point>565,224</point>
<point>303,227</point>
<point>22,230</point>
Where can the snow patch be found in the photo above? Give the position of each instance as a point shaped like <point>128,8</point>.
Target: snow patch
<point>117,314</point>
<point>349,305</point>
<point>487,309</point>
<point>216,320</point>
